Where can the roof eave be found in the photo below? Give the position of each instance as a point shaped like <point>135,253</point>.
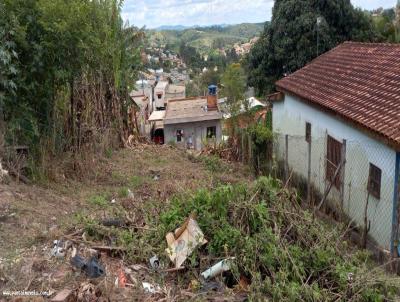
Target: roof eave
<point>371,132</point>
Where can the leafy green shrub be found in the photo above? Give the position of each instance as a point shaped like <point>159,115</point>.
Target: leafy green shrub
<point>212,163</point>
<point>288,255</point>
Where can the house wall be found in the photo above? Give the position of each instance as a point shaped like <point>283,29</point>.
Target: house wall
<point>290,116</point>
<point>198,130</point>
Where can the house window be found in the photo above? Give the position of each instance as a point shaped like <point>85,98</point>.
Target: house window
<point>159,96</point>
<point>308,132</point>
<point>211,132</point>
<point>333,158</point>
<point>374,181</point>
<point>179,135</point>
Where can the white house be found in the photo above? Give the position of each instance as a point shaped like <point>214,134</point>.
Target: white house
<point>347,102</point>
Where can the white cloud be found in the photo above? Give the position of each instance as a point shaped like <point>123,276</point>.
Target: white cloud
<point>154,13</point>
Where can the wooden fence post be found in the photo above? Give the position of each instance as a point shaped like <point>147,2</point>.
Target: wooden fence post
<point>249,148</point>
<point>242,149</point>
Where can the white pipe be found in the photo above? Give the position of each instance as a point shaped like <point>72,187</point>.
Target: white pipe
<point>218,268</point>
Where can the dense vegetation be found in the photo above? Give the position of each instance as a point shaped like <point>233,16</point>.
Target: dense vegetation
<point>205,39</point>
<point>290,41</point>
<point>387,24</point>
<point>283,252</point>
<point>65,71</point>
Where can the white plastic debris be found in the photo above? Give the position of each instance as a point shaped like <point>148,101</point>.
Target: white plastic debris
<point>218,268</point>
<point>150,288</point>
<point>113,200</point>
<point>154,262</point>
<point>58,249</point>
<point>130,194</point>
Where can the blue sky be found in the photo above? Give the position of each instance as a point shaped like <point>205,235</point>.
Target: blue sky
<point>154,13</point>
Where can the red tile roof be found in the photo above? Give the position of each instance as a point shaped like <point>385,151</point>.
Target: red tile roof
<point>358,81</point>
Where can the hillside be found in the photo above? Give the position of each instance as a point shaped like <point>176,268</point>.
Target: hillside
<point>205,38</point>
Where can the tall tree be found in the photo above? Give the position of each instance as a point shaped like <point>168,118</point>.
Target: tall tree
<point>295,37</point>
<point>76,61</point>
<point>233,84</point>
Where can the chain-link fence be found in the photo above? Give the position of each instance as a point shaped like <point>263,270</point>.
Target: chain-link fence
<point>353,178</point>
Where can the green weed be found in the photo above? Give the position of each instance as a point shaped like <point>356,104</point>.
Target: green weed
<point>213,163</point>
<point>123,192</point>
<point>136,181</point>
<point>101,200</point>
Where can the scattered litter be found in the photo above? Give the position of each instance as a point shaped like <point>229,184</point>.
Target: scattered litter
<point>121,280</point>
<point>130,194</point>
<point>350,277</point>
<point>155,175</point>
<point>150,288</point>
<point>58,249</point>
<point>154,262</point>
<point>184,241</point>
<point>92,268</point>
<point>113,200</point>
<point>217,269</point>
<point>113,222</point>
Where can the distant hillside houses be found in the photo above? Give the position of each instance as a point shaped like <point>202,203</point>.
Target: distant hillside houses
<point>242,49</point>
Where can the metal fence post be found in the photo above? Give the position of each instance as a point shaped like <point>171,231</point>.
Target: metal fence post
<point>286,157</point>
<point>342,174</point>
<point>309,173</point>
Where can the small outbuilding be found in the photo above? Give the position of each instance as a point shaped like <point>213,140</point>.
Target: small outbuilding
<point>193,122</point>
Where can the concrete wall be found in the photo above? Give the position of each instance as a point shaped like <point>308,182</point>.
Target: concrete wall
<point>198,131</point>
<point>290,117</point>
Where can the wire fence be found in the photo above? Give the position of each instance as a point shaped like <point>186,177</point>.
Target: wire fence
<point>353,178</point>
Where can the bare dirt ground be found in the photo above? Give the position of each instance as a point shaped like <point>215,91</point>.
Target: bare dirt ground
<point>32,216</point>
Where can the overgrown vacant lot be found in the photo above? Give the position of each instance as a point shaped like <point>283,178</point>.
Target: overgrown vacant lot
<point>131,199</point>
<point>32,216</point>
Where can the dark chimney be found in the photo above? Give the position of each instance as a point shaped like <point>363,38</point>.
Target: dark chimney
<point>212,98</point>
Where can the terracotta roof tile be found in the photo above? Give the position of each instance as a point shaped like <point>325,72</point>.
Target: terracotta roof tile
<point>359,81</point>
